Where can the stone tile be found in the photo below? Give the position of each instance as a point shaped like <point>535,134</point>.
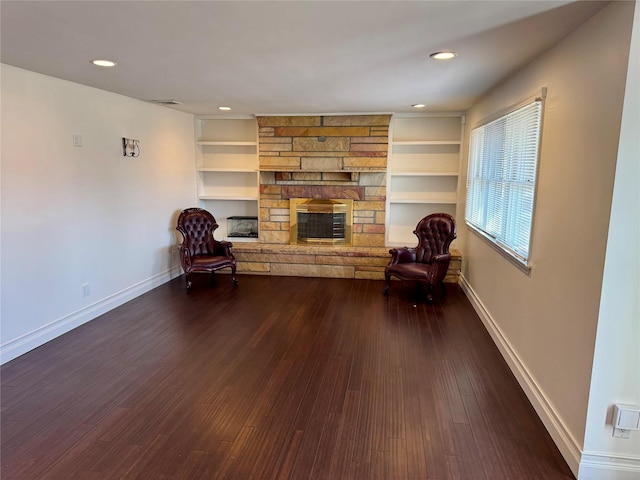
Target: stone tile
<point>347,177</point>
<point>373,179</point>
<point>451,279</point>
<point>373,228</point>
<point>365,205</point>
<point>280,219</point>
<point>298,270</point>
<point>306,176</point>
<point>285,162</point>
<point>367,275</point>
<point>312,144</point>
<point>379,131</point>
<point>369,147</point>
<point>365,162</point>
<point>368,240</point>
<point>283,176</point>
<point>270,189</point>
<point>380,192</point>
<point>267,178</point>
<point>274,203</point>
<point>322,132</point>
<point>280,211</point>
<point>275,147</point>
<point>278,121</point>
<point>316,191</point>
<point>355,153</point>
<point>341,120</point>
<point>365,213</point>
<point>276,258</point>
<point>281,236</point>
<point>380,140</point>
<point>253,267</point>
<point>264,214</point>
<point>321,153</point>
<point>270,226</point>
<point>266,131</point>
<point>320,163</point>
<point>380,217</point>
<point>265,140</point>
<point>339,260</point>
<point>362,220</point>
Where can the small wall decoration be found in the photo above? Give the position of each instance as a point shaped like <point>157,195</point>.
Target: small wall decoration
<point>130,147</point>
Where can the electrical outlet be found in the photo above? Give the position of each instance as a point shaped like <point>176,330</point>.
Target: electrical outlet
<point>77,140</point>
<point>621,433</point>
<point>86,290</point>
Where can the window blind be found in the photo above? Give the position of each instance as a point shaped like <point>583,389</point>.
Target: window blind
<point>501,179</point>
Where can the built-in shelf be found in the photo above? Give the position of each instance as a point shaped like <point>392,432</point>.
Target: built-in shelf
<point>424,197</point>
<point>227,166</point>
<point>423,172</point>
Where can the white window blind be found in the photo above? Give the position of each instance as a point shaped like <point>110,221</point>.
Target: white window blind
<point>501,180</point>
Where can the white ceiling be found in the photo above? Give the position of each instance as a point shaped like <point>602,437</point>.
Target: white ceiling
<point>287,56</point>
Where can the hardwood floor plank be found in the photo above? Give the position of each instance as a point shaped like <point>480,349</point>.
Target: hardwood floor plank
<point>278,378</point>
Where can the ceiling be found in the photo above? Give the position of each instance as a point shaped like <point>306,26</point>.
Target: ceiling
<point>275,57</point>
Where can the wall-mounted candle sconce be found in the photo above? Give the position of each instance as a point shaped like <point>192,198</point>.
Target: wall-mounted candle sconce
<point>130,147</point>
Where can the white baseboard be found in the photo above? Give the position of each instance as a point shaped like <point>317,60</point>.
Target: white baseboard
<point>600,466</point>
<point>41,335</point>
<point>568,446</point>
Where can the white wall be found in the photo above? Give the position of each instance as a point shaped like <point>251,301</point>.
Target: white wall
<point>616,364</point>
<point>545,323</point>
<point>84,215</point>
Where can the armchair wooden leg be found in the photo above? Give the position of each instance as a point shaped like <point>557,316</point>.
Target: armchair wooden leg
<point>388,286</point>
<point>233,275</point>
<point>187,281</point>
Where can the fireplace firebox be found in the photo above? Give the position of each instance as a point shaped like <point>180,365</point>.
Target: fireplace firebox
<point>321,221</point>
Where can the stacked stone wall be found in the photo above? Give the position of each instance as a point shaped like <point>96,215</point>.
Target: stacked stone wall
<point>324,157</point>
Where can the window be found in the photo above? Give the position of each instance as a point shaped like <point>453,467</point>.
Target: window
<point>501,180</point>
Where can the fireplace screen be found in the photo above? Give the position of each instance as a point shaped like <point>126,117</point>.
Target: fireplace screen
<point>321,221</point>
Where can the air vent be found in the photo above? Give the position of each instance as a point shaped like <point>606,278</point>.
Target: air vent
<point>166,102</point>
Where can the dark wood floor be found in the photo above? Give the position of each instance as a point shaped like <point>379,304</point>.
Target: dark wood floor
<point>279,378</point>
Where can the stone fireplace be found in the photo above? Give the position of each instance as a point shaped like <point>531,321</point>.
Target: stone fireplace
<point>322,158</point>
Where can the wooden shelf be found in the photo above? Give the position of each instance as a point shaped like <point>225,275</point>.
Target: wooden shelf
<point>227,170</point>
<point>228,144</point>
<point>229,197</point>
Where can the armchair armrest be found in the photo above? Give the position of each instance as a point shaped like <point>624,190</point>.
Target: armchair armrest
<point>402,255</point>
<point>445,257</point>
<point>223,247</point>
<point>185,257</point>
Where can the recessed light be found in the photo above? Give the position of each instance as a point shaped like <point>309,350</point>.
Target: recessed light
<point>418,105</point>
<point>103,63</point>
<point>443,55</point>
<point>224,108</point>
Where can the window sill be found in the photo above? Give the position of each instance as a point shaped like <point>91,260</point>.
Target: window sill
<point>522,266</point>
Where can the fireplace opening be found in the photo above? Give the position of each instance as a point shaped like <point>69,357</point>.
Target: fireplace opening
<point>321,221</point>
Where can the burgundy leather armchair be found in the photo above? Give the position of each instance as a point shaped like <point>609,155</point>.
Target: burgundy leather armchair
<point>429,260</point>
<point>199,251</point>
